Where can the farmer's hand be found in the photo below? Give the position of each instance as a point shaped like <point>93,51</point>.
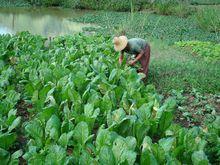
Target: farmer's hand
<point>131,63</point>
<point>120,60</point>
<point>121,57</point>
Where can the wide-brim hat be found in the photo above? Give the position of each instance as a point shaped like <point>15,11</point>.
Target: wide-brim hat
<point>120,43</point>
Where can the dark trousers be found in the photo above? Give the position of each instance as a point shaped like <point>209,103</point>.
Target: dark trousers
<point>144,60</point>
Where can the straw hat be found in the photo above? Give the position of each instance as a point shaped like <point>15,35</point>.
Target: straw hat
<point>120,43</point>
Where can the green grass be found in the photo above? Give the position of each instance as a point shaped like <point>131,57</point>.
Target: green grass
<point>145,25</point>
<point>205,2</point>
<point>209,19</point>
<point>173,68</point>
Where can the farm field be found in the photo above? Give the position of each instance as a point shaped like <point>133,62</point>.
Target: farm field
<point>65,99</point>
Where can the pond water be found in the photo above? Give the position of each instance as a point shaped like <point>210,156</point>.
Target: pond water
<point>43,21</point>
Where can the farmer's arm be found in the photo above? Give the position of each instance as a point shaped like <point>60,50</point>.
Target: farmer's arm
<point>137,58</point>
<point>121,57</point>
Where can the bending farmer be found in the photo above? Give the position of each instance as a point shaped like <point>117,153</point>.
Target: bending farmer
<point>135,46</point>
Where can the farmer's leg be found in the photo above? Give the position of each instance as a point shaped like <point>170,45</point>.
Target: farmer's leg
<point>145,60</point>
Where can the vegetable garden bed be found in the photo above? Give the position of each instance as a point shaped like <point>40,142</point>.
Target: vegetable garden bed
<point>71,103</point>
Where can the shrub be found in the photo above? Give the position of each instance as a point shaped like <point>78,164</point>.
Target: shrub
<point>45,2</point>
<point>17,3</point>
<point>209,19</point>
<point>117,5</point>
<point>170,7</point>
<point>182,10</point>
<point>71,3</point>
<point>163,7</point>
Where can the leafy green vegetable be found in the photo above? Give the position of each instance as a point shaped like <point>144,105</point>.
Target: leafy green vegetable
<point>208,50</point>
<point>7,140</point>
<point>199,157</point>
<point>52,128</point>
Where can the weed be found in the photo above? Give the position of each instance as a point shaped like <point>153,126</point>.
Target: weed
<point>209,19</point>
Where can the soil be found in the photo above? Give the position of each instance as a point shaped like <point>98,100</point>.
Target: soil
<point>192,107</point>
<point>22,110</point>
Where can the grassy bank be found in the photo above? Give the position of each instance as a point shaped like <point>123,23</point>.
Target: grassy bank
<point>145,25</point>
<point>170,7</point>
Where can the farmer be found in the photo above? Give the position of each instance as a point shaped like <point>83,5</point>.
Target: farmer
<point>135,46</point>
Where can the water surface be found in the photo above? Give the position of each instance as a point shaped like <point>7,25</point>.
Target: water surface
<point>43,21</point>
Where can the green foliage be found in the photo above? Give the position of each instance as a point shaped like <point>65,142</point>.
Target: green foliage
<point>209,19</point>
<point>212,138</point>
<point>208,50</point>
<point>182,10</point>
<point>50,2</point>
<point>101,113</point>
<point>45,2</point>
<point>147,25</point>
<point>194,107</point>
<point>71,3</point>
<point>170,7</point>
<point>14,3</point>
<point>205,2</point>
<point>116,5</point>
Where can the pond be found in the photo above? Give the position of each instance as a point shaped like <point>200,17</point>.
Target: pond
<point>43,21</point>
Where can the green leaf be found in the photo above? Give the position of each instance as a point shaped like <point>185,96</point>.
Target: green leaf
<point>165,120</point>
<point>86,159</point>
<point>53,127</point>
<point>15,157</point>
<point>14,124</point>
<point>171,160</point>
<point>7,140</point>
<point>141,129</point>
<point>103,138</point>
<point>90,112</point>
<point>122,151</point>
<point>16,154</point>
<point>116,117</point>
<point>46,113</point>
<point>4,156</point>
<point>13,96</point>
<point>106,104</point>
<point>168,107</point>
<point>76,98</point>
<point>131,142</point>
<point>147,156</point>
<point>199,158</point>
<point>166,143</point>
<point>81,132</point>
<point>64,139</point>
<point>106,156</point>
<point>112,74</point>
<point>35,130</point>
<point>147,144</point>
<point>144,112</point>
<point>56,155</point>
